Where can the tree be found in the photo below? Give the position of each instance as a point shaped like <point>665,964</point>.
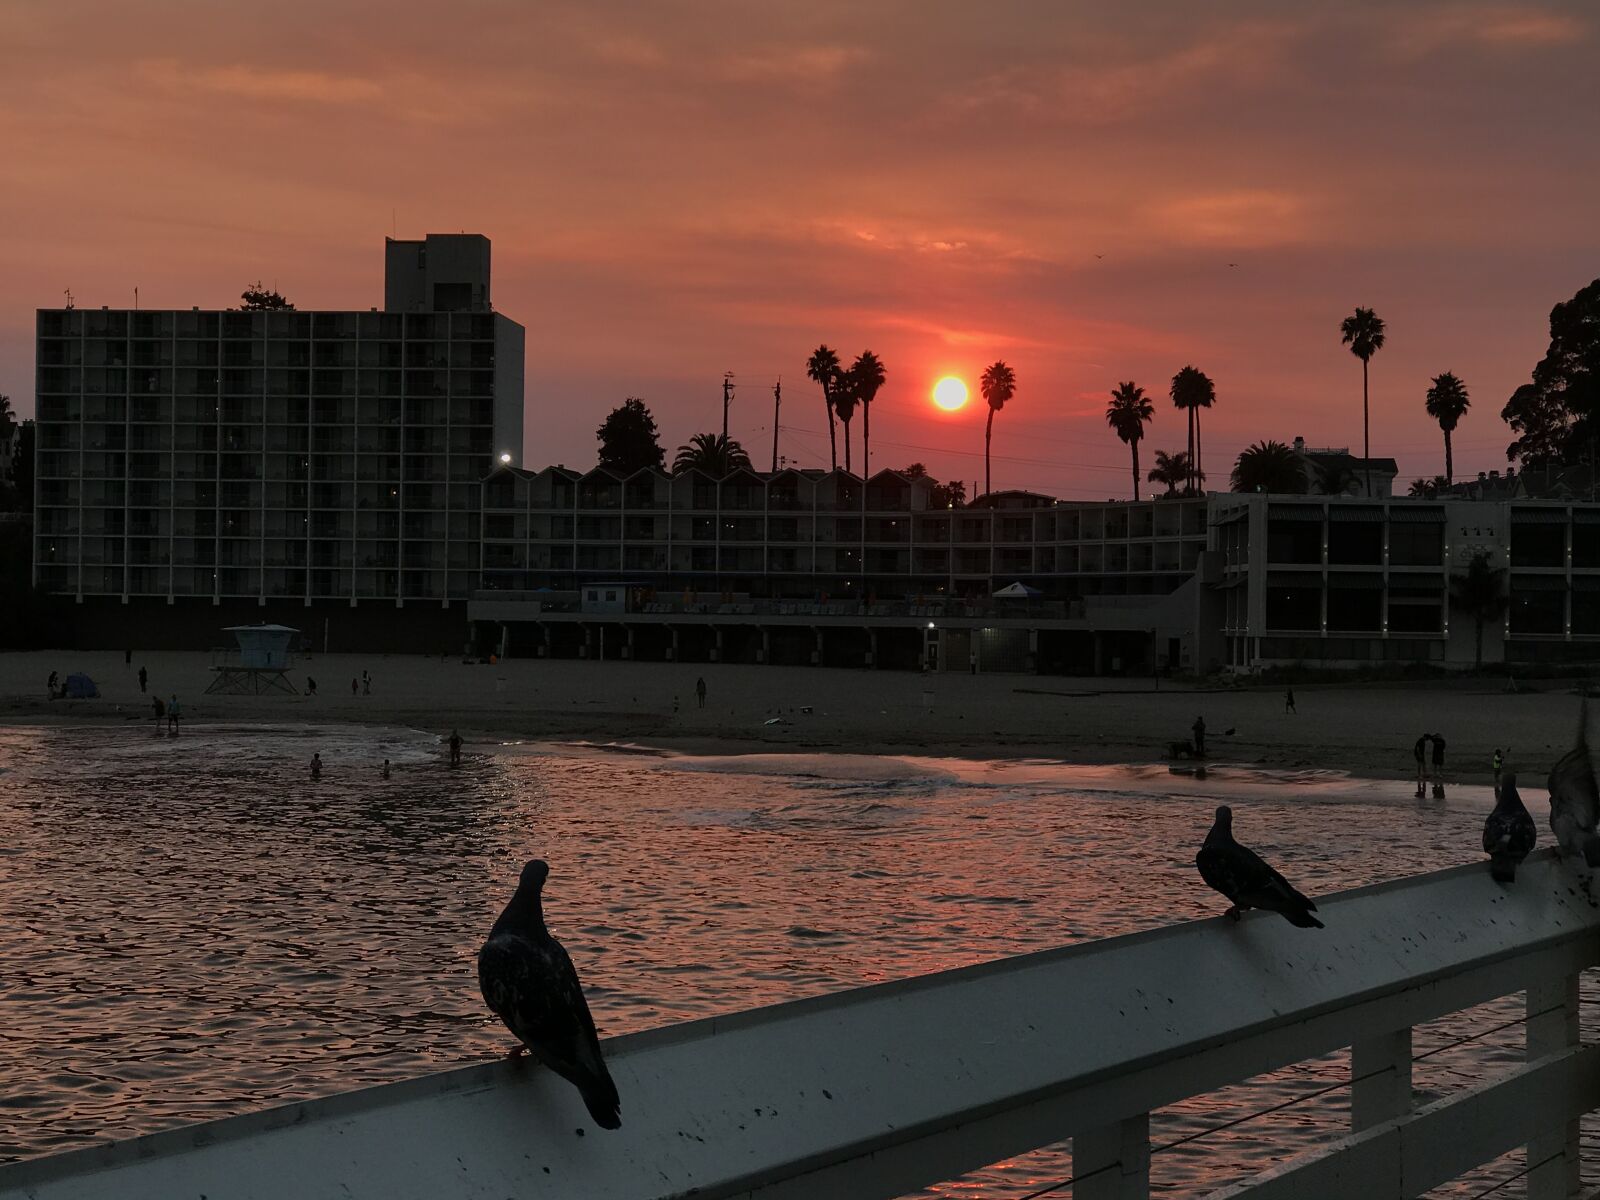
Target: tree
<point>1557,416</point>
<point>256,298</point>
<point>866,378</point>
<point>1193,390</point>
<point>1481,594</point>
<point>1128,413</point>
<point>712,453</point>
<point>999,384</point>
<point>823,366</point>
<point>1362,331</point>
<point>1269,467</point>
<point>33,618</point>
<point>1447,402</point>
<point>21,498</point>
<point>845,399</point>
<point>8,418</point>
<point>1422,489</point>
<point>1171,471</point>
<point>629,440</point>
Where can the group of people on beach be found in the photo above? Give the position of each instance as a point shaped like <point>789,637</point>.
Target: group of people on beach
<point>1421,753</point>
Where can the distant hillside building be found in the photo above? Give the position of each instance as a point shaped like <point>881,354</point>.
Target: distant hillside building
<point>246,459</point>
<point>1334,471</point>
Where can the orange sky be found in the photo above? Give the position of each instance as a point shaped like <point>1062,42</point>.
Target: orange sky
<point>1092,192</point>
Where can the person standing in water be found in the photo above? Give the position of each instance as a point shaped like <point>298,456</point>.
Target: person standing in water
<point>455,748</point>
<point>385,772</point>
<point>1495,763</point>
<point>316,766</point>
<point>1420,752</point>
<point>1438,766</point>
<point>173,714</point>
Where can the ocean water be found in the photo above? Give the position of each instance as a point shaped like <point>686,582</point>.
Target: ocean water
<point>192,928</point>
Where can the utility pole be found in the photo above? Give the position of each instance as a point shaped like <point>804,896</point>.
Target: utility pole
<point>777,403</point>
<point>727,399</point>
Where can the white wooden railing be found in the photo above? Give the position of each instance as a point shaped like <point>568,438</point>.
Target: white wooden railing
<point>876,1092</point>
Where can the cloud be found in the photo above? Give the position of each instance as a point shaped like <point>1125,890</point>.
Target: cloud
<point>1246,218</point>
<point>797,65</point>
<point>259,83</point>
<point>1493,27</point>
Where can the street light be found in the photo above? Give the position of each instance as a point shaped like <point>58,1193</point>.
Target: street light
<point>506,458</point>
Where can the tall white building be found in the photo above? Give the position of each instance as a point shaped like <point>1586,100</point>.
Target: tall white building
<point>279,458</point>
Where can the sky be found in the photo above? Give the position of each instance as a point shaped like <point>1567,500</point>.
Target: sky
<point>681,188</point>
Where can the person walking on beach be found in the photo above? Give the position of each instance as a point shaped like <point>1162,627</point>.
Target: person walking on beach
<point>1288,700</point>
<point>1420,751</point>
<point>144,678</point>
<point>1495,763</point>
<point>1199,728</point>
<point>455,748</point>
<point>160,708</point>
<point>50,684</point>
<point>311,686</point>
<point>366,684</point>
<point>355,686</point>
<point>173,714</point>
<point>1438,766</point>
<point>700,691</point>
<point>316,766</point>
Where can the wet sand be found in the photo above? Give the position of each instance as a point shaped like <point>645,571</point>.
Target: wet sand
<point>1365,729</point>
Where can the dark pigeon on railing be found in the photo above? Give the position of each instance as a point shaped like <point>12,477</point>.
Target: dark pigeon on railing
<point>1239,874</point>
<point>1509,832</point>
<point>1575,798</point>
<point>530,984</point>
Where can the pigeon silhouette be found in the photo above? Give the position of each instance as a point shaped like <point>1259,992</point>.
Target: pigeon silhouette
<point>1509,832</point>
<point>1575,798</point>
<point>1239,874</point>
<point>528,982</point>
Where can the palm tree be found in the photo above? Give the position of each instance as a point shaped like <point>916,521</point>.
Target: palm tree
<point>1363,333</point>
<point>1269,467</point>
<point>1170,470</point>
<point>1128,413</point>
<point>1422,489</point>
<point>1480,593</point>
<point>823,366</point>
<point>866,377</point>
<point>712,453</point>
<point>999,384</point>
<point>1193,390</point>
<point>845,399</point>
<point>1447,404</point>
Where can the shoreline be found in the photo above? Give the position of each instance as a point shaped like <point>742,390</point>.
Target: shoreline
<point>1366,730</point>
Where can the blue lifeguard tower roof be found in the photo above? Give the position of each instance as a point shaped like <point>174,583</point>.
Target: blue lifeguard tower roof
<point>264,647</point>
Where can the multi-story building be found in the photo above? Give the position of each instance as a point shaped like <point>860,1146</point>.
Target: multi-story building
<point>280,458</point>
<point>1350,582</point>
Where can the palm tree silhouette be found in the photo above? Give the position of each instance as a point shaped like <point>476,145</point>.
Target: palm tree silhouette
<point>712,453</point>
<point>1269,467</point>
<point>1170,470</point>
<point>823,366</point>
<point>1363,333</point>
<point>1480,593</point>
<point>1447,403</point>
<point>1128,413</point>
<point>845,398</point>
<point>1193,390</point>
<point>999,384</point>
<point>866,377</point>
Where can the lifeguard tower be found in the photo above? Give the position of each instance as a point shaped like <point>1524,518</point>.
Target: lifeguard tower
<point>258,664</point>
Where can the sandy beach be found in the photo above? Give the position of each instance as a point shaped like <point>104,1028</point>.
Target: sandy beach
<point>1366,729</point>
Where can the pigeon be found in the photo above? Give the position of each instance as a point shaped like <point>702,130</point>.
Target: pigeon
<point>528,982</point>
<point>1240,875</point>
<point>1575,798</point>
<point>1509,833</point>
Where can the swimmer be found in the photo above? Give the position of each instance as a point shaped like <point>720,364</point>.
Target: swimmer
<point>386,768</point>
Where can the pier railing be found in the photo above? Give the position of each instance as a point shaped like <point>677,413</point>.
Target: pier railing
<point>880,1091</point>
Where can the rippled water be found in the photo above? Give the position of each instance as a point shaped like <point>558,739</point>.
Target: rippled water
<point>192,928</point>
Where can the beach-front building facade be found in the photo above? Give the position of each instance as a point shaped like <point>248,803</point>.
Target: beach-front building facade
<point>277,458</point>
<point>1350,582</point>
<point>1097,587</point>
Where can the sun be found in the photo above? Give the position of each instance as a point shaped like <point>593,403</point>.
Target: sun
<point>950,393</point>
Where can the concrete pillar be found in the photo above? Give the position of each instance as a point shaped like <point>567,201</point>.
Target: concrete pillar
<point>505,639</point>
<point>672,650</point>
<point>765,653</point>
<point>1033,651</point>
<point>816,655</point>
<point>544,643</point>
<point>1099,656</point>
<point>872,647</point>
<point>627,651</point>
<point>716,650</point>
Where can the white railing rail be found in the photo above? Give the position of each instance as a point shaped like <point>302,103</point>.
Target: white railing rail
<point>876,1092</point>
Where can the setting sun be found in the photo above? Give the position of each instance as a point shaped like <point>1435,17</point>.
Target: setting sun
<point>950,393</point>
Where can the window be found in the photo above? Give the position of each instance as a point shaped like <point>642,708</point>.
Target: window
<point>611,596</point>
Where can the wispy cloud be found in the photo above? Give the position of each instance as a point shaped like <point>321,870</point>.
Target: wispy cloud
<point>1496,27</point>
<point>1245,218</point>
<point>261,83</point>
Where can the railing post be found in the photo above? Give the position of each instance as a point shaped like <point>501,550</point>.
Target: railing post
<point>1121,1154</point>
<point>1380,1075</point>
<point>1552,1009</point>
